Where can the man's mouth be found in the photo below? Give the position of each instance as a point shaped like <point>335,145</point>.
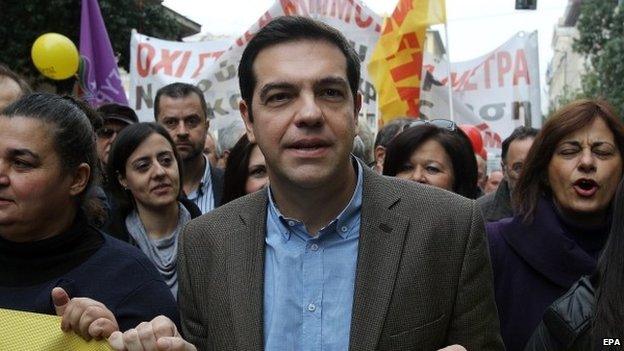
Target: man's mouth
<point>585,187</point>
<point>309,144</point>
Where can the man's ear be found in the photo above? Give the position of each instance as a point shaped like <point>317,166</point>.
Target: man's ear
<point>80,179</point>
<point>380,155</point>
<point>357,105</point>
<point>245,111</point>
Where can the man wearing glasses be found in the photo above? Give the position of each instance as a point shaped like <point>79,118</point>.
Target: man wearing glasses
<point>497,205</point>
<point>116,117</point>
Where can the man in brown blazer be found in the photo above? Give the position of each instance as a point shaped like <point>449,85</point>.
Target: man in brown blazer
<point>403,265</point>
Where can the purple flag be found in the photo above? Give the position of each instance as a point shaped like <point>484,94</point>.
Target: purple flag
<point>98,74</point>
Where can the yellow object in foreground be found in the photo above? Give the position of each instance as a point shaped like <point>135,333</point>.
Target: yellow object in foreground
<point>41,332</point>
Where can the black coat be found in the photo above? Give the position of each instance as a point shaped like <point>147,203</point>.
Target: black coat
<point>567,322</point>
<point>497,205</point>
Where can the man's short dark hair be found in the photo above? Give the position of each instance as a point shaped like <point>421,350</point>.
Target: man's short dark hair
<point>7,72</point>
<point>180,90</point>
<point>519,133</point>
<point>390,130</point>
<point>289,29</point>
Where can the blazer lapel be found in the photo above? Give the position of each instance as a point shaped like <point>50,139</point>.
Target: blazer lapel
<point>245,269</point>
<point>382,235</point>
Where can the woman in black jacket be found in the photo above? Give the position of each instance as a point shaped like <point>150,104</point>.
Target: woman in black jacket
<point>50,251</point>
<point>590,316</point>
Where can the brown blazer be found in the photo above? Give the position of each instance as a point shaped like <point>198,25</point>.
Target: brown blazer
<point>423,278</point>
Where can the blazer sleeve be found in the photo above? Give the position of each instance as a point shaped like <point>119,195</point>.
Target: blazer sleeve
<point>192,329</point>
<point>474,323</point>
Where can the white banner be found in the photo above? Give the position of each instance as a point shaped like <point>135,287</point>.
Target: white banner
<point>499,90</point>
<point>212,66</point>
<point>155,63</point>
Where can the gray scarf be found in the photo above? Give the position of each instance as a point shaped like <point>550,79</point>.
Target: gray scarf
<point>162,252</point>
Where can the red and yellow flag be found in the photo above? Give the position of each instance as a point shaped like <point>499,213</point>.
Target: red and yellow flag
<point>396,64</point>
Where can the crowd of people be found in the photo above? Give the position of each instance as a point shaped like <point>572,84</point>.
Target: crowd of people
<point>305,232</point>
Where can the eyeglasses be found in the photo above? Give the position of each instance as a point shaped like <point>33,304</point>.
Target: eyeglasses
<point>107,133</point>
<point>440,123</point>
<point>516,167</point>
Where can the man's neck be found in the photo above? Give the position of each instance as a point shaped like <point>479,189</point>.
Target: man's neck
<point>318,206</point>
<point>193,173</point>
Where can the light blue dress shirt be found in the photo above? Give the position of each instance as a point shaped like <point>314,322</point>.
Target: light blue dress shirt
<point>203,196</point>
<point>309,279</point>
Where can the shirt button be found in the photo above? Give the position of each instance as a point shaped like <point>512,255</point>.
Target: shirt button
<point>311,307</point>
<point>291,223</point>
<point>314,247</point>
<point>344,229</point>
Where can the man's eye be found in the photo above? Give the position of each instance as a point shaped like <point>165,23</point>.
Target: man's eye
<point>277,98</point>
<point>333,93</point>
<point>171,122</point>
<point>22,164</point>
<point>192,122</point>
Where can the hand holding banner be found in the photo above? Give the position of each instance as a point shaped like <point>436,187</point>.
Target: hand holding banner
<point>41,332</point>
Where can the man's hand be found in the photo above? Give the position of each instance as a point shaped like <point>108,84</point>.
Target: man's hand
<point>160,334</point>
<point>453,348</point>
<point>86,317</point>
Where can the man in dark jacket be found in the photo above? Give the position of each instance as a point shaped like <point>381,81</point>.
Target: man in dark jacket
<point>497,205</point>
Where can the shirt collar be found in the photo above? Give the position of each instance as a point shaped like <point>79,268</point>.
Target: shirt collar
<point>204,184</point>
<point>342,224</point>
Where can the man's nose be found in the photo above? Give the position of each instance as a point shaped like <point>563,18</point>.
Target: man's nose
<point>4,173</point>
<point>182,130</point>
<point>310,113</point>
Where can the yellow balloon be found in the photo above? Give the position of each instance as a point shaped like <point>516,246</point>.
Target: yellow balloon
<point>55,56</point>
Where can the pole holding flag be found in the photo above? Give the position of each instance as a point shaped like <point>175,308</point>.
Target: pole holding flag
<point>98,73</point>
<point>396,63</point>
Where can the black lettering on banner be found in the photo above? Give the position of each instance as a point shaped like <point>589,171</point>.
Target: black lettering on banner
<point>141,96</point>
<point>424,103</point>
<point>234,101</point>
<point>225,72</point>
<point>492,112</point>
<point>360,49</point>
<point>216,107</point>
<point>430,81</point>
<point>204,85</point>
<point>367,89</point>
<point>522,110</point>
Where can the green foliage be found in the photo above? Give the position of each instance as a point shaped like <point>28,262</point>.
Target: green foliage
<point>601,40</point>
<point>22,21</point>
